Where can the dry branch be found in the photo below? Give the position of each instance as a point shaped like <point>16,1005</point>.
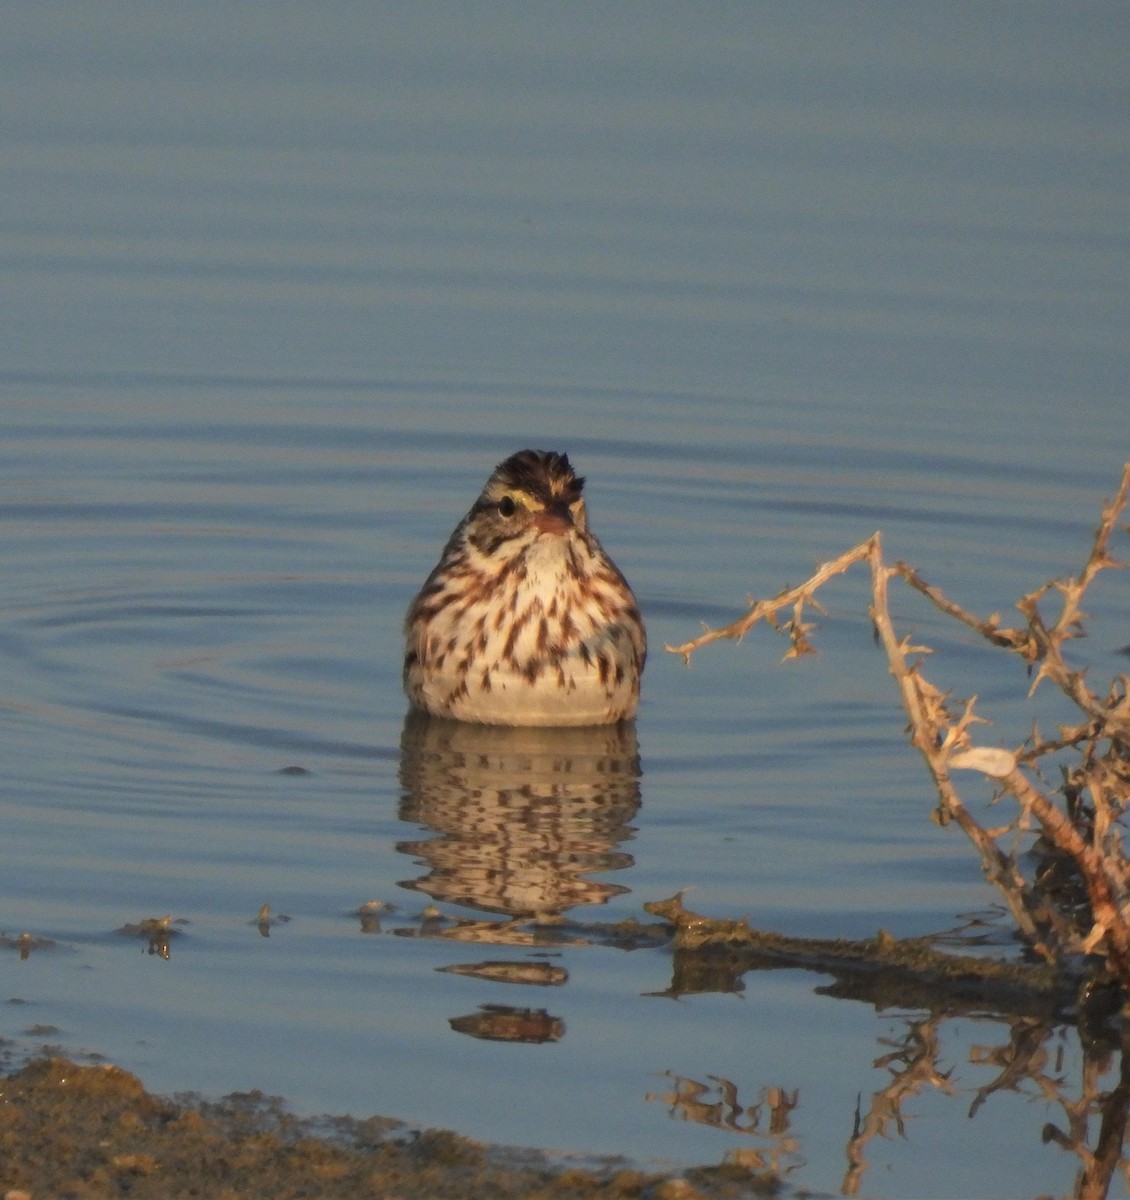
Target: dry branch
<point>1082,827</point>
<point>901,961</point>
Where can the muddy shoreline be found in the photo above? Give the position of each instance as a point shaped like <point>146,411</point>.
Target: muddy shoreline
<point>80,1132</point>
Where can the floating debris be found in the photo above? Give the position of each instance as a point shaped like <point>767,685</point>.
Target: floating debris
<point>264,920</point>
<point>537,974</point>
<point>370,913</point>
<point>501,1023</point>
<point>25,943</point>
<point>158,931</point>
<point>42,1031</point>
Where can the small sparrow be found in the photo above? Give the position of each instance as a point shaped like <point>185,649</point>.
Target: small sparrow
<point>525,620</point>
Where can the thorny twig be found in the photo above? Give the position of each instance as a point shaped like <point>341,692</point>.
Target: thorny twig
<point>1096,791</point>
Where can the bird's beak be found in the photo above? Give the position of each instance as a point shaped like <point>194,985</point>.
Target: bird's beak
<point>556,519</point>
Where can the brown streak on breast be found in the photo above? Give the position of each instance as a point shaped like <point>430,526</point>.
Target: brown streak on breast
<point>512,637</point>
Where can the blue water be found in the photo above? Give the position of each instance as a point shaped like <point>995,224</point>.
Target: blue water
<point>280,286</point>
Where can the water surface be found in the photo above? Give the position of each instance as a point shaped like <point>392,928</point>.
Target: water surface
<point>280,290</point>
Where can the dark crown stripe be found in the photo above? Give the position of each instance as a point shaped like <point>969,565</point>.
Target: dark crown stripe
<point>544,474</point>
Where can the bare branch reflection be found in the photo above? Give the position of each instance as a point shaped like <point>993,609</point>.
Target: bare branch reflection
<point>1036,1060</point>
<point>913,1064</point>
<point>766,1123</point>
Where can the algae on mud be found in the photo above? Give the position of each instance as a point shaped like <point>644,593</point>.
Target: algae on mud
<point>77,1132</point>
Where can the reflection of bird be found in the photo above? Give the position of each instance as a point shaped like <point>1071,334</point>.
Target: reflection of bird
<point>523,816</point>
<point>525,620</point>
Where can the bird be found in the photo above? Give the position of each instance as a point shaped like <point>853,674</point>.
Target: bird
<point>525,620</point>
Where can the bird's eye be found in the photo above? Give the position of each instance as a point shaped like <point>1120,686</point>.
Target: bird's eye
<point>507,507</point>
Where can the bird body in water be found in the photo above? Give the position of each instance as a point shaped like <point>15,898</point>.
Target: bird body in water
<point>525,620</point>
